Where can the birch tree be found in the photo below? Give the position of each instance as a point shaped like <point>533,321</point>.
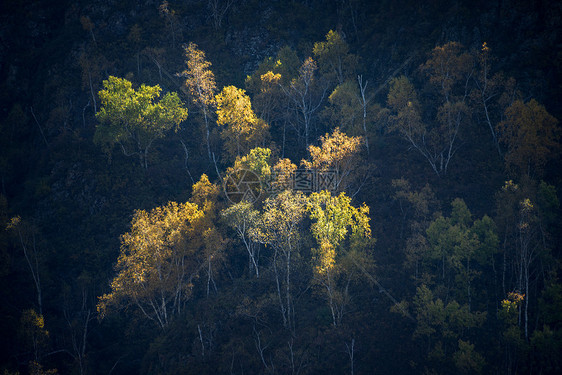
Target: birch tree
<point>306,96</point>
<point>241,129</point>
<point>134,119</point>
<point>334,59</point>
<point>336,154</point>
<point>449,72</point>
<point>280,228</point>
<point>160,258</point>
<point>200,83</point>
<point>335,220</point>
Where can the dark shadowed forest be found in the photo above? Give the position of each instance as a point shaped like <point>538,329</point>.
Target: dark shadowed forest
<point>280,187</point>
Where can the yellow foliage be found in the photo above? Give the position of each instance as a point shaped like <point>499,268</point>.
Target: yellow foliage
<point>242,129</point>
<point>204,194</point>
<point>158,259</point>
<point>200,81</point>
<point>325,258</point>
<point>269,80</point>
<point>334,151</point>
<point>284,170</point>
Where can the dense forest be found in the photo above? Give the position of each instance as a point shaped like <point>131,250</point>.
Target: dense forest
<point>280,187</point>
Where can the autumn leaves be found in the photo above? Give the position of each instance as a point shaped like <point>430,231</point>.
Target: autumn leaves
<point>460,91</point>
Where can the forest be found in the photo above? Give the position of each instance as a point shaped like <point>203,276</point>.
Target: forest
<point>280,187</point>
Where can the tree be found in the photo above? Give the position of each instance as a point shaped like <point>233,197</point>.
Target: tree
<point>406,116</point>
<point>200,83</point>
<point>337,154</point>
<point>133,119</point>
<point>26,236</point>
<point>242,129</point>
<point>458,249</point>
<point>89,26</point>
<point>92,65</point>
<point>522,218</point>
<point>305,96</point>
<point>283,175</point>
<point>449,70</point>
<point>442,325</point>
<point>417,208</point>
<point>455,251</point>
<point>269,87</point>
<point>269,98</point>
<point>160,258</point>
<point>33,333</point>
<point>284,65</point>
<point>219,10</point>
<point>492,94</point>
<point>256,161</point>
<point>334,221</point>
<point>170,16</point>
<point>243,218</point>
<point>334,59</point>
<point>531,135</point>
<point>280,227</point>
<point>204,194</point>
<point>249,176</point>
<point>351,110</point>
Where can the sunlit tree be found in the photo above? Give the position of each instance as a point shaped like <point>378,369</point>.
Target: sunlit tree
<point>280,229</point>
<point>241,129</point>
<point>134,119</point>
<point>342,232</point>
<point>205,195</point>
<point>336,154</point>
<point>200,83</point>
<point>350,109</point>
<point>160,258</point>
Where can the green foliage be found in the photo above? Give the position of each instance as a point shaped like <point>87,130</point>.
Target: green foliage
<point>334,59</point>
<point>334,216</point>
<point>441,325</point>
<point>456,241</point>
<point>133,119</point>
<point>467,360</point>
<point>257,161</point>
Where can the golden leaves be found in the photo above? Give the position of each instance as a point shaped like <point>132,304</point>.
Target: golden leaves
<point>155,254</point>
<point>335,149</point>
<point>200,80</point>
<point>242,129</point>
